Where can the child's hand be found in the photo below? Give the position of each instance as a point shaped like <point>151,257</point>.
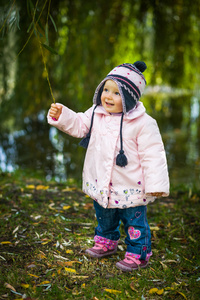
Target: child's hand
<point>55,111</point>
<point>158,194</point>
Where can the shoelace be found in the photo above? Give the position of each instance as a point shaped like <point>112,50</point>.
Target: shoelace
<point>130,260</point>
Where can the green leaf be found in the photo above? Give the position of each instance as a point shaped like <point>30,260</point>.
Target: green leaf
<point>54,24</point>
<point>50,49</point>
<point>30,6</point>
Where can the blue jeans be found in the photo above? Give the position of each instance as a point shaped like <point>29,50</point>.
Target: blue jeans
<point>138,235</point>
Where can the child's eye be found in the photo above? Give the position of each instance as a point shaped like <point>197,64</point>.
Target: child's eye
<point>106,90</point>
<point>117,93</point>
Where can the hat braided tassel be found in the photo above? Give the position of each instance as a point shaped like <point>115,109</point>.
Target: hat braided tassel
<point>121,159</point>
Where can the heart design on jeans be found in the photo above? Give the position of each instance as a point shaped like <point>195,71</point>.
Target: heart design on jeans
<point>133,233</point>
<point>138,214</point>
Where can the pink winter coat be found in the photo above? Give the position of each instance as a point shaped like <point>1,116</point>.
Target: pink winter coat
<point>110,185</point>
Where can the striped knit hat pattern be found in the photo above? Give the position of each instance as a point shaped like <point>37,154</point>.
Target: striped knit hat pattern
<point>130,81</point>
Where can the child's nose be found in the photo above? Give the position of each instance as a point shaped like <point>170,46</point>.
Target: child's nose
<point>109,95</point>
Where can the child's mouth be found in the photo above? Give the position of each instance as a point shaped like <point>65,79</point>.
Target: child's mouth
<point>109,104</point>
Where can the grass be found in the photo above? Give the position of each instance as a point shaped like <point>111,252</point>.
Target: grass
<point>46,227</point>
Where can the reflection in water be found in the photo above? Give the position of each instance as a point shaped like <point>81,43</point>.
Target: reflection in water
<point>58,155</point>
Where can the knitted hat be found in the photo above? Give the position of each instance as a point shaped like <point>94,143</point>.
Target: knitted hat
<point>131,84</point>
<point>130,81</point>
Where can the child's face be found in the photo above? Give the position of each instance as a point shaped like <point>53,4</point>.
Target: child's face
<point>110,97</point>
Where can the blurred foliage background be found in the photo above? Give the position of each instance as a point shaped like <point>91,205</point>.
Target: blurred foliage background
<point>69,46</point>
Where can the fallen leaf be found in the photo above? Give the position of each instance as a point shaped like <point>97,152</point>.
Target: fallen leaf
<point>88,206</point>
<point>170,261</point>
<point>132,287</point>
<point>153,291</point>
<point>45,242</point>
<point>80,276</point>
<point>192,239</point>
<point>169,288</point>
<point>187,259</point>
<point>8,286</point>
<point>70,270</point>
<point>120,247</point>
<point>41,256</point>
<point>156,291</point>
<point>65,207</point>
<point>75,292</point>
<point>25,285</point>
<point>31,186</point>
<point>69,189</point>
<point>68,263</point>
<point>32,275</point>
<point>115,292</point>
<point>5,242</point>
<point>160,292</point>
<point>60,257</point>
<point>15,230</point>
<point>163,265</point>
<point>31,266</point>
<point>2,257</point>
<point>69,251</point>
<point>4,296</point>
<point>42,187</point>
<point>154,234</point>
<point>182,294</point>
<point>44,282</point>
<point>154,228</point>
<point>51,206</point>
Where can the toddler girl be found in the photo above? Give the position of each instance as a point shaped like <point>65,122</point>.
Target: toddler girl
<point>125,165</point>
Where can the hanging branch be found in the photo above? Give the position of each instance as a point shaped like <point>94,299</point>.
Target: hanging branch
<point>33,21</point>
<point>4,23</point>
<point>46,71</point>
<point>34,24</point>
<point>34,30</point>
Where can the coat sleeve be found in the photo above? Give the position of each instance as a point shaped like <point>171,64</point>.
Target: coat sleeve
<point>153,158</point>
<point>72,123</point>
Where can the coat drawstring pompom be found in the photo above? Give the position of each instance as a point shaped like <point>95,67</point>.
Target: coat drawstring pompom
<point>121,159</point>
<point>85,141</point>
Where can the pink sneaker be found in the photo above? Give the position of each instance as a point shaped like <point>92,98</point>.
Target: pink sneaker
<point>100,250</point>
<point>131,263</point>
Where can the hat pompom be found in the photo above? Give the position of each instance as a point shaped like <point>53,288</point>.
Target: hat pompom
<point>121,159</point>
<point>140,65</point>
